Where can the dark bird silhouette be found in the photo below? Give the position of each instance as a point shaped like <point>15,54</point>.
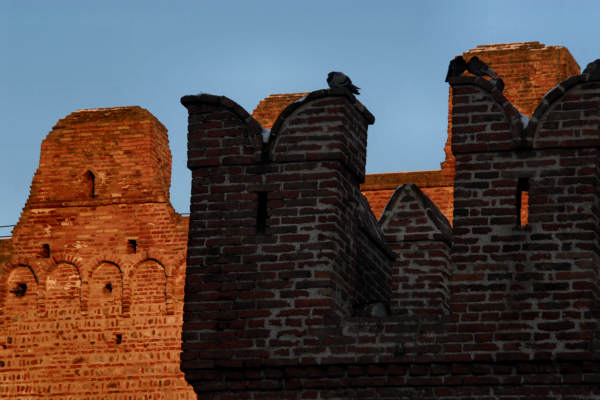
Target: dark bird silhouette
<point>456,67</point>
<point>593,70</point>
<point>498,82</point>
<point>339,79</point>
<point>479,68</point>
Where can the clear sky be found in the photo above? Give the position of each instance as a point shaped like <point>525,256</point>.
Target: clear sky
<point>60,56</point>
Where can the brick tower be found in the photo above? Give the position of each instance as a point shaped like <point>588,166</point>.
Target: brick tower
<point>92,288</point>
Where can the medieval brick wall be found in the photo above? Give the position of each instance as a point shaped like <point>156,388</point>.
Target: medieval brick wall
<point>496,308</point>
<point>294,290</point>
<point>91,286</point>
<point>529,71</point>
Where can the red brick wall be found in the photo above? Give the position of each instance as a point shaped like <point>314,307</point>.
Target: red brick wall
<point>5,249</point>
<point>97,320</point>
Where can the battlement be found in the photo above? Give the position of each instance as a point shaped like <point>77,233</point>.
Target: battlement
<point>529,70</point>
<point>508,296</point>
<point>293,204</point>
<point>547,257</point>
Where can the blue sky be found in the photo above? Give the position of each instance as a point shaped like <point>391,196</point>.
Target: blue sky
<point>60,56</point>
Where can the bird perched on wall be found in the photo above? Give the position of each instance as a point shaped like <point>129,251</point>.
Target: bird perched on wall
<point>457,66</point>
<point>339,79</point>
<point>498,82</point>
<point>479,68</point>
<point>593,70</point>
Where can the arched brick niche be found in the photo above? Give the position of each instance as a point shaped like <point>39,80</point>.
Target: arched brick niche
<point>106,290</point>
<point>63,292</point>
<point>148,289</point>
<point>21,292</point>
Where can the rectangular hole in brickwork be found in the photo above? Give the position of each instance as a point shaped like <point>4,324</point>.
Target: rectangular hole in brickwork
<point>108,288</point>
<point>131,246</point>
<point>45,253</point>
<point>91,184</point>
<point>261,212</point>
<point>20,289</point>
<point>523,201</point>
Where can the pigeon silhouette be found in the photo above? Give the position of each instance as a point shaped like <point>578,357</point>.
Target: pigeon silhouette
<point>479,68</point>
<point>498,82</point>
<point>593,70</point>
<point>339,79</point>
<point>456,67</point>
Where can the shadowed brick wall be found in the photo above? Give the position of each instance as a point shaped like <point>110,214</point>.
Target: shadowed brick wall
<point>494,309</point>
<point>529,70</point>
<point>91,292</point>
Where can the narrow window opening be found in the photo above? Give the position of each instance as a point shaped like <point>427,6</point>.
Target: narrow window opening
<point>20,289</point>
<point>91,184</point>
<point>261,213</point>
<point>119,338</point>
<point>264,155</point>
<point>132,246</point>
<point>523,201</point>
<point>45,253</point>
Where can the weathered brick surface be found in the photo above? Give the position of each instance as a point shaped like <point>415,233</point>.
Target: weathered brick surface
<point>495,308</point>
<point>252,295</point>
<point>293,290</point>
<point>5,249</point>
<point>542,277</point>
<point>85,313</point>
<point>421,237</point>
<point>529,70</point>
